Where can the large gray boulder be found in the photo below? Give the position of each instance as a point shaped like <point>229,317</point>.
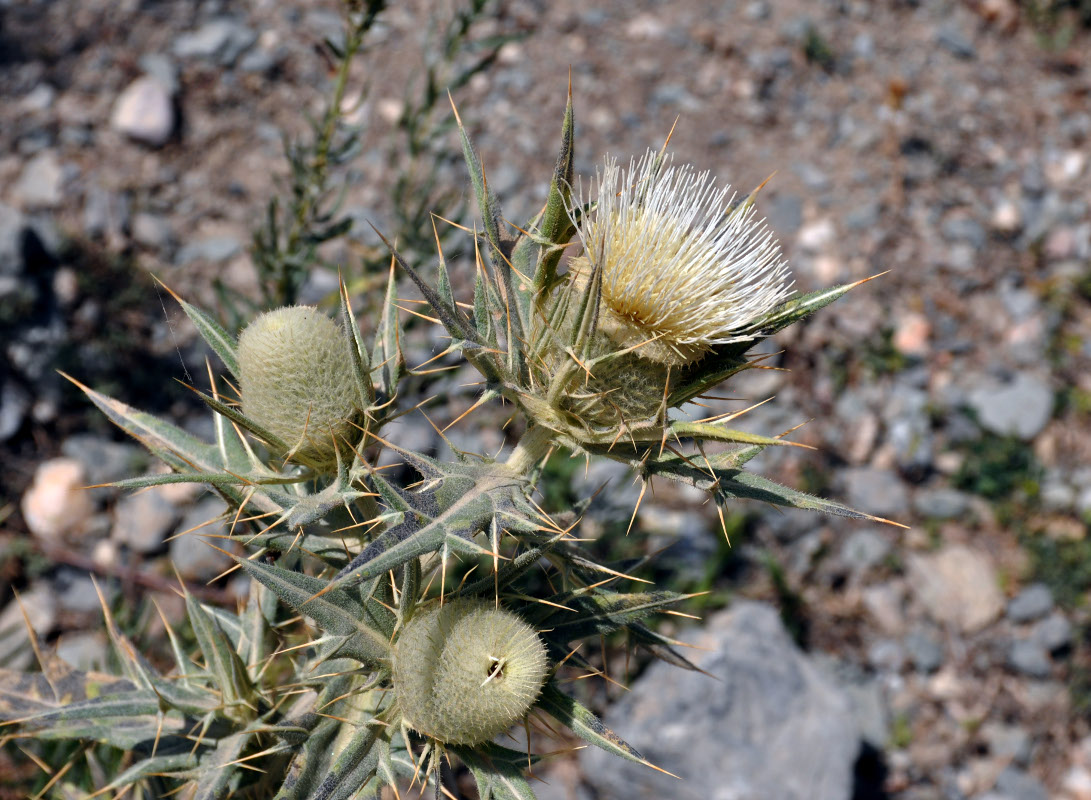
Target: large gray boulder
<point>767,725</point>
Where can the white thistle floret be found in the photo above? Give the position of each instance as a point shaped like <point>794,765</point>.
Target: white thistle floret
<point>681,266</point>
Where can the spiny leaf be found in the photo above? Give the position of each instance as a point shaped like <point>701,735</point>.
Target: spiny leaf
<point>497,770</point>
<point>222,343</point>
<point>602,612</point>
<point>351,769</point>
<point>172,444</point>
<point>584,724</point>
<point>361,365</point>
<point>334,610</point>
<point>556,224</point>
<point>755,487</point>
<point>222,660</point>
<point>386,356</point>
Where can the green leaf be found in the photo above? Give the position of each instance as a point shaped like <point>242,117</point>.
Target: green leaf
<point>351,769</point>
<point>153,766</point>
<point>222,343</point>
<point>215,782</point>
<point>172,444</point>
<point>754,487</point>
<point>602,612</point>
<point>715,432</point>
<point>796,308</point>
<point>386,357</point>
<point>361,365</point>
<point>83,705</point>
<point>556,225</point>
<point>222,661</point>
<point>310,763</point>
<point>334,610</point>
<point>497,770</point>
<point>584,724</point>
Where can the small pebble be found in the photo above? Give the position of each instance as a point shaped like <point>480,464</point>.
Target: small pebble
<point>56,504</point>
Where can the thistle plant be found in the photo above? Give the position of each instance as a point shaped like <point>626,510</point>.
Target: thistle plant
<point>358,661</point>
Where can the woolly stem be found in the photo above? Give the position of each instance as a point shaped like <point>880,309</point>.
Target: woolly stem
<point>531,449</point>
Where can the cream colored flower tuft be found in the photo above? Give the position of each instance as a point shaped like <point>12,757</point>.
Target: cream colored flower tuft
<point>681,269</point>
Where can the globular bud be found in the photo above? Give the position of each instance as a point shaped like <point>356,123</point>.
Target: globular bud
<point>296,381</point>
<point>467,671</point>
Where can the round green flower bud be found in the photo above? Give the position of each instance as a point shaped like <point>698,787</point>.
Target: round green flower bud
<point>467,672</point>
<point>296,381</point>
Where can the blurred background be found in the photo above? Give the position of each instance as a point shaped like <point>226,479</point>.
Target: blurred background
<point>942,142</point>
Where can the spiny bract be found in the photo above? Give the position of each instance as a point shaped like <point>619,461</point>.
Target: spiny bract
<point>296,381</point>
<point>682,270</point>
<point>466,672</point>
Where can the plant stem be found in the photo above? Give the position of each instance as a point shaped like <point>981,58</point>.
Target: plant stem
<point>531,449</point>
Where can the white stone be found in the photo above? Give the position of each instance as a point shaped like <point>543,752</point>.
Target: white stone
<point>41,181</point>
<point>957,586</point>
<point>56,504</point>
<point>144,112</point>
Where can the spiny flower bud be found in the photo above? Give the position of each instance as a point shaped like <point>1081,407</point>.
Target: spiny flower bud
<point>296,381</point>
<point>466,672</point>
<point>683,270</point>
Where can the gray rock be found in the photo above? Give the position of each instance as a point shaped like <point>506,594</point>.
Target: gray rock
<point>957,586</point>
<point>84,650</point>
<point>911,438</point>
<point>964,229</point>
<point>941,503</point>
<point>954,41</point>
<point>1055,494</point>
<point>142,520</point>
<point>863,217</point>
<point>772,725</point>
<point>151,230</point>
<point>870,711</point>
<point>41,182</point>
<point>144,112</point>
<point>925,650</point>
<point>863,46</point>
<point>258,61</point>
<point>12,226</point>
<point>1014,784</point>
<point>103,460</point>
<point>223,40</point>
<point>1053,633</point>
<point>40,604</point>
<point>813,178</point>
<point>1020,407</point>
<point>190,553</point>
<point>864,549</point>
<point>1028,657</point>
<point>886,655</point>
<point>784,213</point>
<point>14,404</point>
<point>215,248</point>
<point>1033,602</point>
<point>76,592</point>
<point>1007,741</point>
<point>161,67</point>
<point>876,491</point>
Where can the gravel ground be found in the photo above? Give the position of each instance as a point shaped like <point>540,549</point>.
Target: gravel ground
<point>943,143</point>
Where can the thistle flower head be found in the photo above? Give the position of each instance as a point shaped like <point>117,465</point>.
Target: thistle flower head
<point>682,268</point>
